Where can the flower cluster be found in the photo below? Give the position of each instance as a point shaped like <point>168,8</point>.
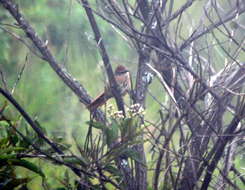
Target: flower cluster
<point>136,110</point>
<point>117,115</point>
<point>114,114</point>
<point>133,110</point>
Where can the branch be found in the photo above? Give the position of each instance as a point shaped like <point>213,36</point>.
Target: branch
<point>238,174</point>
<point>72,83</point>
<point>21,40</point>
<point>178,12</point>
<point>144,9</point>
<point>220,146</point>
<point>126,171</point>
<point>113,85</point>
<point>37,148</point>
<point>29,120</point>
<point>195,35</point>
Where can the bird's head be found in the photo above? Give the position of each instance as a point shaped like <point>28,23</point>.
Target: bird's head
<point>120,69</point>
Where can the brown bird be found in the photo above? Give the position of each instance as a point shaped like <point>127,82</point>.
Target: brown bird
<point>123,80</point>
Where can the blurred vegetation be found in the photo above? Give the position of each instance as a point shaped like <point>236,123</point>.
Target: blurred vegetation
<point>71,41</point>
<point>63,24</point>
<point>41,93</point>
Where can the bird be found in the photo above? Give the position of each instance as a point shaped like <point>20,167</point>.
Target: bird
<point>122,77</point>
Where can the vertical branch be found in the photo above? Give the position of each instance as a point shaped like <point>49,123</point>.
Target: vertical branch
<point>114,87</point>
<point>140,95</point>
<point>126,171</point>
<point>227,162</point>
<point>144,9</point>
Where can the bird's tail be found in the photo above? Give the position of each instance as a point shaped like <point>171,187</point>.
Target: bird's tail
<point>99,101</point>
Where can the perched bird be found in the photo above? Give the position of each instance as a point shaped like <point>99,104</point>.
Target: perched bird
<point>123,80</point>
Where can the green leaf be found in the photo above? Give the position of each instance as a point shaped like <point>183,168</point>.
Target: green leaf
<point>6,157</point>
<point>64,146</point>
<point>28,165</point>
<point>124,125</point>
<point>129,152</point>
<point>96,124</point>
<point>115,152</point>
<point>111,134</point>
<point>4,124</point>
<point>11,149</point>
<point>128,128</point>
<point>149,188</point>
<point>113,170</point>
<point>14,139</point>
<point>4,141</point>
<point>73,160</point>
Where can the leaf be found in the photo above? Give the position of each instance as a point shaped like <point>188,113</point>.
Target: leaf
<point>64,146</point>
<point>128,128</point>
<point>149,188</point>
<point>28,165</point>
<point>96,124</point>
<point>125,125</point>
<point>25,143</point>
<point>113,170</point>
<point>111,134</point>
<point>4,141</point>
<point>14,139</point>
<point>129,152</point>
<point>12,183</point>
<point>73,160</point>
<point>115,152</point>
<point>5,157</point>
<point>11,149</point>
<point>4,124</point>
<point>96,187</point>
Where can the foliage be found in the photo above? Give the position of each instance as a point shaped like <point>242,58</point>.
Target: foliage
<point>99,151</point>
<point>192,134</point>
<point>11,147</point>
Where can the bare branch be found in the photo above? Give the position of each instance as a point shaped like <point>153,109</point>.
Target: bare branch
<point>113,85</point>
<point>72,83</point>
